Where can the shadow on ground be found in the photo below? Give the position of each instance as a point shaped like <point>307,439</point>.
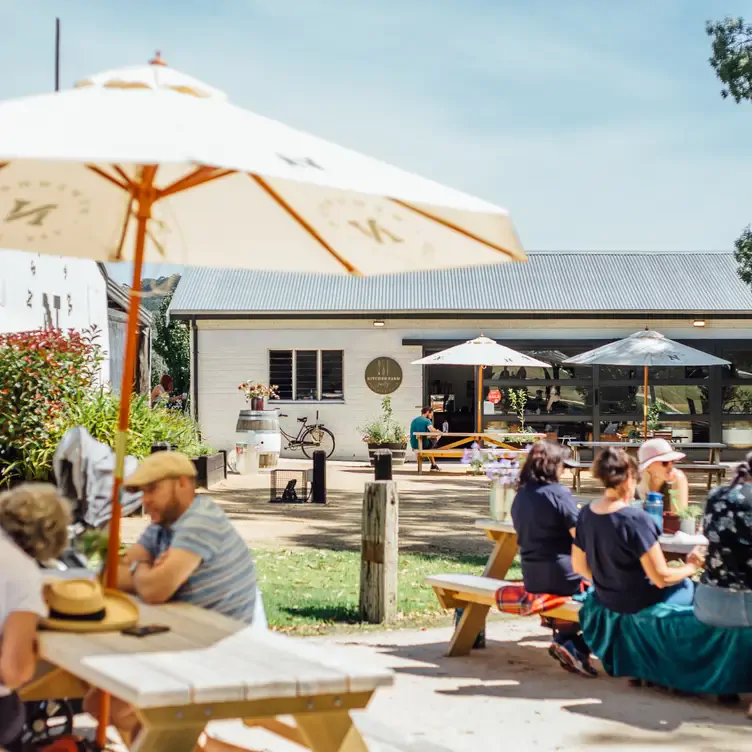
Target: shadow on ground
<point>522,669</point>
<point>429,522</point>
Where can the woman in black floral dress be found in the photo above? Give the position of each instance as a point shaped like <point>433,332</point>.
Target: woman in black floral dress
<point>724,596</point>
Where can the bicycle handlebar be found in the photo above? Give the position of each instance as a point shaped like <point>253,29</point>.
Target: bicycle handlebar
<point>284,415</point>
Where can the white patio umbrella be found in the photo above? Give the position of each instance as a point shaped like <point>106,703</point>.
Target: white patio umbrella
<point>217,185</point>
<point>481,352</point>
<point>646,348</point>
<point>122,170</point>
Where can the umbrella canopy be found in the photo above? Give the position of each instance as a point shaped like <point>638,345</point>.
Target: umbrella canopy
<point>481,351</point>
<point>221,186</point>
<point>646,348</point>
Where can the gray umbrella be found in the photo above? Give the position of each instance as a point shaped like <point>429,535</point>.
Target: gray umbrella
<point>646,348</point>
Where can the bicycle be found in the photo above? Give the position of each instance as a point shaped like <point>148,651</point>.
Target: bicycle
<point>310,437</point>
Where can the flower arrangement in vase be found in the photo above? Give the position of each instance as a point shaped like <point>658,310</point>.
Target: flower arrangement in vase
<point>256,393</point>
<point>502,468</point>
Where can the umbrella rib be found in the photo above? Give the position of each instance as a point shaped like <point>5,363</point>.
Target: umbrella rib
<point>516,255</point>
<point>128,214</point>
<point>99,171</point>
<point>120,171</point>
<point>198,177</point>
<point>302,222</point>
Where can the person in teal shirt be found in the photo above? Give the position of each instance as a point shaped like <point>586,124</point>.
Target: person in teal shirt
<point>424,424</point>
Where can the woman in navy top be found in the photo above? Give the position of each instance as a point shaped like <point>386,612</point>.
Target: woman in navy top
<point>616,546</point>
<point>544,516</point>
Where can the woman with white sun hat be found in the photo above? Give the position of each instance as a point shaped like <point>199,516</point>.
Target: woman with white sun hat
<point>660,475</point>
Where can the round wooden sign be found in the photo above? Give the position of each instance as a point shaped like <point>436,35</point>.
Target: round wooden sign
<point>383,375</point>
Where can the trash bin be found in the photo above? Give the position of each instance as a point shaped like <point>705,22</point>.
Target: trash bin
<point>247,458</point>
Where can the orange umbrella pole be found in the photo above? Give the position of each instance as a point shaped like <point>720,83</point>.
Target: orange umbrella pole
<point>645,399</point>
<point>126,390</point>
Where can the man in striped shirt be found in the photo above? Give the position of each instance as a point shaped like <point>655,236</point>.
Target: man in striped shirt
<point>191,553</point>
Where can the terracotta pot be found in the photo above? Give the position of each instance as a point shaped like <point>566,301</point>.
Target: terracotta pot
<point>671,523</point>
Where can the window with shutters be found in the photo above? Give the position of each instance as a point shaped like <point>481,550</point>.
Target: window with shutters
<point>307,375</point>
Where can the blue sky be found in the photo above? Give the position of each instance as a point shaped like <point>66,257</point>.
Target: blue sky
<point>599,125</point>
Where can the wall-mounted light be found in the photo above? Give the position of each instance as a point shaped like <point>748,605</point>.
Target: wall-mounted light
<point>699,323</point>
<point>378,323</point>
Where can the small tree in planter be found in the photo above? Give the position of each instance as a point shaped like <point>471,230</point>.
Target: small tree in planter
<point>257,393</point>
<point>385,432</point>
<point>518,401</point>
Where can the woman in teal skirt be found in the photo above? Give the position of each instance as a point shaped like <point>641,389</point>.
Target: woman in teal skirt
<point>638,617</point>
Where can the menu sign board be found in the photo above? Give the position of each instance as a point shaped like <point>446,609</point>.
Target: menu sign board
<point>383,375</point>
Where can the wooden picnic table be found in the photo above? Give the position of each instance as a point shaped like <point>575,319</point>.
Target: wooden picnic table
<point>209,667</point>
<point>712,465</point>
<point>463,441</point>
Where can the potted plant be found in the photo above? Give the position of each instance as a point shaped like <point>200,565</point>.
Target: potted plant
<point>688,519</point>
<point>384,432</point>
<point>256,393</point>
<point>517,401</point>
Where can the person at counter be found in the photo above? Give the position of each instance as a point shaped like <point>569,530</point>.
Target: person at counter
<point>424,424</point>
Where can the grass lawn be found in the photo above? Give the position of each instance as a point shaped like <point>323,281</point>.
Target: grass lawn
<point>313,591</point>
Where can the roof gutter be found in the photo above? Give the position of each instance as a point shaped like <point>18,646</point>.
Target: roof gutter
<point>184,315</point>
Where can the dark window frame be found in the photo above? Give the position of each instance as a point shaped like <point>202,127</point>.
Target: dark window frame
<point>714,415</point>
<point>319,374</point>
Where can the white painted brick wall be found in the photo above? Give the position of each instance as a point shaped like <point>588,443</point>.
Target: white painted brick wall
<point>234,351</point>
<point>228,357</point>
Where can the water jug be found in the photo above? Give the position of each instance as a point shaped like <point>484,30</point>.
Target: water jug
<point>654,507</point>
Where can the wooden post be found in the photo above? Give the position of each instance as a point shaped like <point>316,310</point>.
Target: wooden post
<point>378,557</point>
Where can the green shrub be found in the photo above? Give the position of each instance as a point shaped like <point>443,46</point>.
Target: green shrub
<point>384,429</point>
<point>41,372</point>
<point>98,414</point>
<point>48,385</point>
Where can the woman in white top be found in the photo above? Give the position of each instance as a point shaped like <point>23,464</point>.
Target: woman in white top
<point>161,394</point>
<point>657,462</point>
<point>33,527</point>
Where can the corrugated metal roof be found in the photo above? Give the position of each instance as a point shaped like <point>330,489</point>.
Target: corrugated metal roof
<point>570,281</point>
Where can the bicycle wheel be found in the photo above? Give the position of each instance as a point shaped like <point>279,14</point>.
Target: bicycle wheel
<point>317,438</point>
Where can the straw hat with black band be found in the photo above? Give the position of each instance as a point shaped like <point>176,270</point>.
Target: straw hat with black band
<point>83,606</point>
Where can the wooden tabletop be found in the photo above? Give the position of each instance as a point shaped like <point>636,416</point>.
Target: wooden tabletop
<point>681,544</point>
<point>488,434</point>
<point>637,444</point>
<point>206,658</point>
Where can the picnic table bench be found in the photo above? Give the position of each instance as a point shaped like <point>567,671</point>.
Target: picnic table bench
<point>712,466</point>
<point>207,668</point>
<point>463,441</point>
<point>476,594</point>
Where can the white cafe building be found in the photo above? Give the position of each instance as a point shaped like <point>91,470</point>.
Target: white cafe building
<point>317,337</point>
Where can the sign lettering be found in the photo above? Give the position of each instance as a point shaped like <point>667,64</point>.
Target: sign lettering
<point>300,162</point>
<point>23,210</point>
<point>375,231</point>
<point>383,375</point>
